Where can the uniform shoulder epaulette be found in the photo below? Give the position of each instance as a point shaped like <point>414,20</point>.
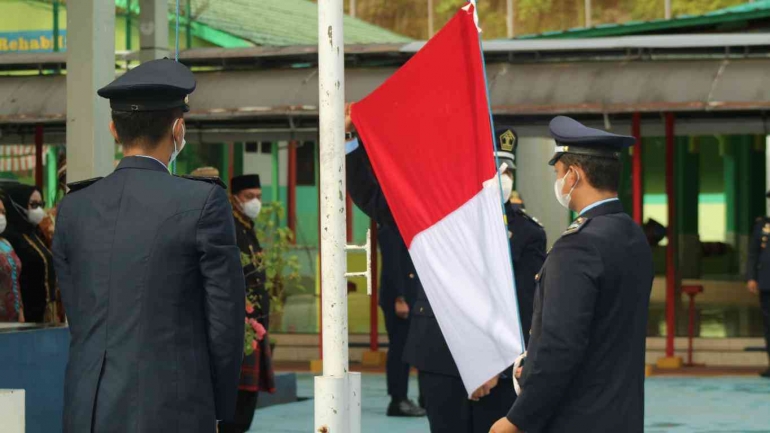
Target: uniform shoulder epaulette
<point>83,184</point>
<point>212,180</point>
<point>529,217</point>
<point>576,226</point>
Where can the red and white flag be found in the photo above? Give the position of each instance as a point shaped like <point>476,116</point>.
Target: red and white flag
<point>428,134</point>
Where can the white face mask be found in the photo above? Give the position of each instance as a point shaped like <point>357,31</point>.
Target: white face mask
<point>178,150</point>
<point>252,207</point>
<point>35,216</point>
<point>3,223</point>
<point>558,187</point>
<point>507,186</point>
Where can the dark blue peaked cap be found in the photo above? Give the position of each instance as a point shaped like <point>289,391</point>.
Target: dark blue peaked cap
<point>573,137</point>
<point>155,85</point>
<point>506,142</point>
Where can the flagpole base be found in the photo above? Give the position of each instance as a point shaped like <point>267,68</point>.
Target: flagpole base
<point>331,405</point>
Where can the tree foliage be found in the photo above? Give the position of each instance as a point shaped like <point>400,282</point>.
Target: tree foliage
<point>410,17</point>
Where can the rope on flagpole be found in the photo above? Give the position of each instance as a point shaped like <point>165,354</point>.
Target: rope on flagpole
<point>497,159</point>
<point>176,53</point>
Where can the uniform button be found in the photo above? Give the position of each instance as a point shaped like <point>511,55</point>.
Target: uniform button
<point>537,277</point>
<point>422,309</point>
<point>411,275</point>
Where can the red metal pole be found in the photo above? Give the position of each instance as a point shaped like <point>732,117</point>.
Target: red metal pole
<point>39,157</point>
<point>637,178</point>
<point>691,331</point>
<point>671,233</point>
<point>231,162</point>
<point>291,193</point>
<point>374,343</point>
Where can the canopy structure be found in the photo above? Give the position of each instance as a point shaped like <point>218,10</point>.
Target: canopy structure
<point>715,84</point>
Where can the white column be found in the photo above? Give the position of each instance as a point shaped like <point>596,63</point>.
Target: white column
<point>534,181</point>
<point>153,30</point>
<point>510,18</point>
<point>90,66</point>
<point>430,19</point>
<point>332,389</point>
<point>352,8</point>
<point>588,13</point>
<point>667,7</point>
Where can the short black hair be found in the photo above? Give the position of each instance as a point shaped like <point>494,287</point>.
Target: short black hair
<point>602,173</point>
<point>144,128</point>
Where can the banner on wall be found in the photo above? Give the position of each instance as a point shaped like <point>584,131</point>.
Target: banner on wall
<point>33,41</point>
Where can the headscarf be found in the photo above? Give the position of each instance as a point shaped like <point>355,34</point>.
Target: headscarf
<point>15,197</point>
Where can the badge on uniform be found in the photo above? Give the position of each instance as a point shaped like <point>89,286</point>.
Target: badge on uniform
<point>576,226</point>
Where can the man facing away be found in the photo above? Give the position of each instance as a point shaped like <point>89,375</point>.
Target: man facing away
<point>584,370</point>
<point>150,275</point>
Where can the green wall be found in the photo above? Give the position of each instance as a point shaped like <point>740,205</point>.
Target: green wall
<point>21,15</point>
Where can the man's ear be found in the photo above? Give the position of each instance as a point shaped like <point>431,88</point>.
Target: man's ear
<point>114,131</point>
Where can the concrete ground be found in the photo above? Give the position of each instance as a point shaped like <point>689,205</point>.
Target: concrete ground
<point>673,404</point>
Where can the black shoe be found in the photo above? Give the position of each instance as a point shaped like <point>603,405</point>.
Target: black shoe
<point>765,373</point>
<point>421,401</point>
<point>404,408</point>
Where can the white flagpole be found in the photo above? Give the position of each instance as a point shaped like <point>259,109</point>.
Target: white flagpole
<point>332,390</point>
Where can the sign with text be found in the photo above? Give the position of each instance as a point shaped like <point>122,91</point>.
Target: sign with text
<point>34,41</point>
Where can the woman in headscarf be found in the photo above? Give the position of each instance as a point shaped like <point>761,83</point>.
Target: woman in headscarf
<point>24,211</point>
<point>11,305</point>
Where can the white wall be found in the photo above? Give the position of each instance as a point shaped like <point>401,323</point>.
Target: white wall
<point>534,182</point>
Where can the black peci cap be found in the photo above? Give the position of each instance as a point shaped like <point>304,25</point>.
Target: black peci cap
<point>247,181</point>
<point>155,85</point>
<point>573,137</point>
<point>506,142</point>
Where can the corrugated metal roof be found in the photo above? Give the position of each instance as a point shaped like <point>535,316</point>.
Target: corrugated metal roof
<point>747,11</point>
<point>282,22</point>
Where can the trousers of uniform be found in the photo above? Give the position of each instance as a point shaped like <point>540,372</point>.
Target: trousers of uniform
<point>764,303</point>
<point>450,411</point>
<point>244,413</point>
<point>397,370</point>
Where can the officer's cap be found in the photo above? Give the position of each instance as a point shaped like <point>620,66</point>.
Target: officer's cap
<point>573,137</point>
<point>247,181</point>
<point>506,143</point>
<point>155,85</point>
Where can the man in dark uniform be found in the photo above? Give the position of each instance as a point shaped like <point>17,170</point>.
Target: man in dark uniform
<point>446,400</point>
<point>759,275</point>
<point>398,282</point>
<point>150,275</point>
<point>397,294</point>
<point>525,233</point>
<point>257,369</point>
<point>584,370</point>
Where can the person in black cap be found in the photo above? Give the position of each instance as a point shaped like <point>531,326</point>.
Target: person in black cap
<point>584,370</point>
<point>758,270</point>
<point>527,242</point>
<point>257,368</point>
<point>399,283</point>
<point>150,276</point>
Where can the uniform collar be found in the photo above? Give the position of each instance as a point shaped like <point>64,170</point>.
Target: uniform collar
<point>142,162</point>
<point>598,203</point>
<point>604,207</point>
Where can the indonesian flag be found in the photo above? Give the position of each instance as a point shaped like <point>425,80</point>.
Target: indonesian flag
<point>427,132</point>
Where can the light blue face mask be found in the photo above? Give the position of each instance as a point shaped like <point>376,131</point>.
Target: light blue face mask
<point>176,151</point>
